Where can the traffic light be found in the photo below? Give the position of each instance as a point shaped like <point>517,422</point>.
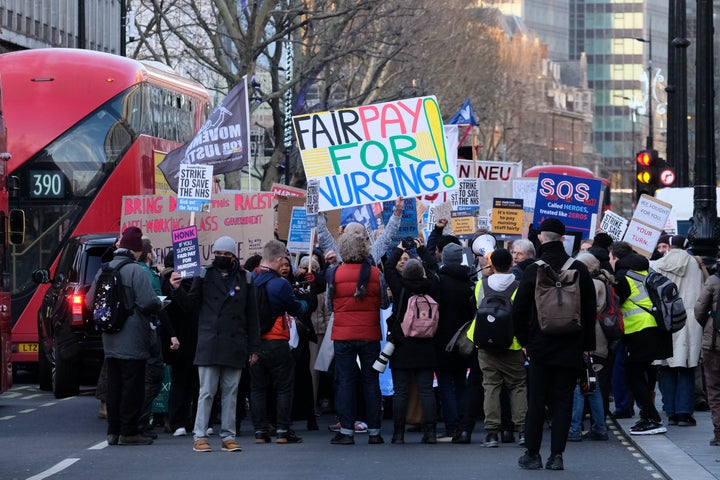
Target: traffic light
<point>648,172</point>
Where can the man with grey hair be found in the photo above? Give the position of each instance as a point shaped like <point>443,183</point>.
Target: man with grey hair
<point>523,254</point>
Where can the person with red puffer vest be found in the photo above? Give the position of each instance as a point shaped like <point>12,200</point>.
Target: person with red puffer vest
<point>356,293</point>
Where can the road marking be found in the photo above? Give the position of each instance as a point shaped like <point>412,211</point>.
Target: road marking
<point>32,396</point>
<point>66,399</point>
<point>49,404</point>
<point>27,410</point>
<point>24,387</point>
<point>99,446</point>
<point>8,417</point>
<point>54,469</point>
<point>11,394</point>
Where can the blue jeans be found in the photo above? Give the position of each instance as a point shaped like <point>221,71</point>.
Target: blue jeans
<point>346,353</point>
<point>621,393</point>
<point>597,412</point>
<point>451,387</point>
<point>677,386</point>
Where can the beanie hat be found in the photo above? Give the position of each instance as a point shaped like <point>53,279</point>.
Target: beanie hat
<point>678,241</point>
<point>602,240</point>
<point>225,244</point>
<point>413,270</point>
<point>452,254</point>
<point>131,239</point>
<point>552,225</point>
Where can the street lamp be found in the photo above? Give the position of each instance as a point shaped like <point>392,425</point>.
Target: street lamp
<point>649,141</point>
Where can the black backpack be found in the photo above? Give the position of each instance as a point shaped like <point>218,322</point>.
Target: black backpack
<point>109,309</point>
<point>668,308</point>
<point>493,321</point>
<point>267,320</point>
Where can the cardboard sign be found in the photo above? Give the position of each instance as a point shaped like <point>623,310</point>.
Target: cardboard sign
<point>507,216</point>
<point>646,225</point>
<point>572,200</point>
<point>375,153</point>
<point>187,256</point>
<point>463,224</point>
<point>245,217</point>
<point>288,191</point>
<point>194,187</point>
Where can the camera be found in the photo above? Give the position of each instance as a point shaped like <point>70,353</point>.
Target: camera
<point>408,243</point>
<point>381,363</point>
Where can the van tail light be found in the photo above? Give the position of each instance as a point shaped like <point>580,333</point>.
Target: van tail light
<point>76,308</point>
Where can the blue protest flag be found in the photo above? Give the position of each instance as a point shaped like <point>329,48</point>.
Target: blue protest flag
<point>464,116</point>
<point>223,141</point>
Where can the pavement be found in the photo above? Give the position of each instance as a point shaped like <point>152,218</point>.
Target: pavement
<point>681,453</point>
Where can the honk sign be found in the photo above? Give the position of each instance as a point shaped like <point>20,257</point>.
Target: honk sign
<point>375,153</point>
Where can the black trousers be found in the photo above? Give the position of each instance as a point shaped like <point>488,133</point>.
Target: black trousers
<point>125,394</point>
<point>640,378</point>
<point>552,386</point>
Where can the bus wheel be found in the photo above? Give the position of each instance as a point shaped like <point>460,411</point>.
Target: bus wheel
<point>65,380</point>
<point>44,369</point>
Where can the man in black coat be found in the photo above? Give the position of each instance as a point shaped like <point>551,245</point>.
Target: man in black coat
<point>554,360</point>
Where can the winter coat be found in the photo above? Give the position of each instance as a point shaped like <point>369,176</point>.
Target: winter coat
<point>457,306</point>
<point>356,319</point>
<point>601,343</point>
<point>184,323</point>
<point>683,269</point>
<point>649,343</point>
<point>134,340</point>
<point>704,310</point>
<point>555,350</point>
<point>410,353</point>
<point>228,324</point>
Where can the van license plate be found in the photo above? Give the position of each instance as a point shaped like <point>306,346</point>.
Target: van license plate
<point>28,347</point>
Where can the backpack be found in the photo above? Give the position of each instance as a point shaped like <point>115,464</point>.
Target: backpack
<point>109,311</point>
<point>668,307</point>
<point>493,324</point>
<point>611,318</point>
<point>557,299</point>
<point>421,317</point>
<point>460,342</point>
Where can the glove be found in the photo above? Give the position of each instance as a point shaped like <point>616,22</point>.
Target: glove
<point>310,277</point>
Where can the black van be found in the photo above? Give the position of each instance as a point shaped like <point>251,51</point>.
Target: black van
<point>70,345</point>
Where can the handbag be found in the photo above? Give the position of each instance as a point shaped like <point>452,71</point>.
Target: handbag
<point>460,343</point>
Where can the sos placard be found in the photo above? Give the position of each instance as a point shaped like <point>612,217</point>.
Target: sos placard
<point>573,200</point>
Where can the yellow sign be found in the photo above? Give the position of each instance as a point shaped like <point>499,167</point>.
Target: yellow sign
<point>507,216</point>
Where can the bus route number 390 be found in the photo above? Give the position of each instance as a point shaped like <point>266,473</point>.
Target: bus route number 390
<point>47,184</point>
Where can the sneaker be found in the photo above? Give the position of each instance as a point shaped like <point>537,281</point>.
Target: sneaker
<point>361,427</point>
<point>507,436</point>
<point>287,436</point>
<point>445,439</point>
<point>180,432</point>
<point>575,436</point>
<point>530,461</point>
<point>335,427</point>
<point>648,427</point>
<point>491,440</point>
<point>138,439</point>
<point>112,439</point>
<point>463,437</point>
<point>686,420</point>
<point>597,436</point>
<point>555,462</point>
<point>231,446</point>
<point>672,419</point>
<point>202,445</point>
<point>375,440</point>
<point>262,437</point>
<point>209,431</point>
<point>342,439</point>
<point>521,439</point>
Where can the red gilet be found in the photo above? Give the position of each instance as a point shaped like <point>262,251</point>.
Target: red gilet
<point>356,319</point>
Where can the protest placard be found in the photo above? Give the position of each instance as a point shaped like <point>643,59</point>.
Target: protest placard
<point>646,225</point>
<point>300,233</point>
<point>463,224</point>
<point>467,194</point>
<point>186,255</point>
<point>614,225</point>
<point>287,190</point>
<point>245,217</point>
<point>507,216</point>
<point>573,200</point>
<point>408,221</point>
<point>375,153</point>
<point>194,187</point>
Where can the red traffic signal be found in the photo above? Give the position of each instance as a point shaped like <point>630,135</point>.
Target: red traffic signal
<point>647,172</point>
<point>646,158</point>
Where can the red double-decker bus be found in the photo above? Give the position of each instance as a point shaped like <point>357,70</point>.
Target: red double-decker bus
<point>87,128</point>
<point>12,230</point>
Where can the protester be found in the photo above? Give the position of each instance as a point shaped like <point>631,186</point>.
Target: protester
<point>554,360</point>
<point>414,359</point>
<point>127,351</point>
<point>643,340</point>
<point>356,293</point>
<point>523,254</point>
<point>228,337</point>
<point>677,373</point>
<point>274,372</point>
